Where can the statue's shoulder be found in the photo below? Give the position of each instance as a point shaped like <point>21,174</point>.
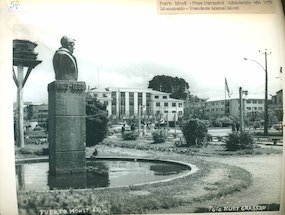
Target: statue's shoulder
<point>63,51</point>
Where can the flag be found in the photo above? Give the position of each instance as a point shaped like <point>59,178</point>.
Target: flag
<point>227,87</point>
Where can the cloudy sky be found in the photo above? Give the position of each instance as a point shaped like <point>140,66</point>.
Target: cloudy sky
<point>126,43</point>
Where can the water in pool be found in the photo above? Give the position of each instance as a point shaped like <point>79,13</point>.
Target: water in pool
<point>100,173</point>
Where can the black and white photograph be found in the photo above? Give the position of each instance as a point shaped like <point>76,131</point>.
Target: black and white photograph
<point>142,107</point>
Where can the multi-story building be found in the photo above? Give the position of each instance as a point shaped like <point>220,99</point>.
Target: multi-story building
<point>195,108</point>
<point>218,107</point>
<point>36,113</point>
<point>278,98</point>
<point>124,103</point>
<point>276,106</point>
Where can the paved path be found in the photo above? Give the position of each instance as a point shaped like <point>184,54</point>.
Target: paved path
<point>266,173</point>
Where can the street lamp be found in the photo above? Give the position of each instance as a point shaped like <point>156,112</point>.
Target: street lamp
<point>266,89</point>
<point>141,107</point>
<point>241,107</point>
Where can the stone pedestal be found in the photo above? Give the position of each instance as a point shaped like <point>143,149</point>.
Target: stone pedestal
<point>67,128</point>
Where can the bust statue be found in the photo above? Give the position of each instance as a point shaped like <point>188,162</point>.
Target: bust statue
<point>64,62</point>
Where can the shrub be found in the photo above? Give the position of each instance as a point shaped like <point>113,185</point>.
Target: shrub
<point>130,135</point>
<point>159,136</point>
<point>222,122</point>
<point>180,142</point>
<point>96,121</point>
<point>195,132</point>
<point>239,141</point>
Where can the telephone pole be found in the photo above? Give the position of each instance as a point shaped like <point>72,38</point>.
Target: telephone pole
<point>265,130</point>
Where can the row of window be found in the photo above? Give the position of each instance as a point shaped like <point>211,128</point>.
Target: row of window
<point>166,112</point>
<point>157,97</point>
<point>222,109</point>
<point>254,108</point>
<point>254,101</point>
<point>217,103</point>
<point>217,109</point>
<point>248,101</point>
<point>173,104</point>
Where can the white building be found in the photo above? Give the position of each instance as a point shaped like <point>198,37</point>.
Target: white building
<point>123,103</point>
<point>218,107</point>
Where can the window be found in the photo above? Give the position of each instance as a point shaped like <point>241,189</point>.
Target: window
<point>131,103</point>
<point>217,103</point>
<point>157,104</point>
<point>180,113</point>
<point>114,100</point>
<point>165,104</point>
<point>140,98</point>
<point>166,111</point>
<point>148,101</point>
<point>222,103</point>
<point>260,102</point>
<point>173,111</point>
<point>123,102</point>
<point>260,108</point>
<point>248,101</point>
<point>254,102</point>
<point>248,108</point>
<point>156,97</point>
<point>164,97</point>
<point>254,108</point>
<point>179,104</point>
<point>173,104</point>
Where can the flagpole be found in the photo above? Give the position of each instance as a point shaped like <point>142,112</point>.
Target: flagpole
<point>225,98</point>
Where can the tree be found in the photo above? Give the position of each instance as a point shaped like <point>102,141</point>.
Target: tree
<point>96,121</point>
<point>194,131</point>
<point>177,87</point>
<point>254,119</point>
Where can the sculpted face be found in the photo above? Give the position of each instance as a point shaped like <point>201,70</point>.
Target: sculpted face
<point>70,46</point>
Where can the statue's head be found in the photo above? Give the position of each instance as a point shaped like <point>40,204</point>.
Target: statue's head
<point>68,43</point>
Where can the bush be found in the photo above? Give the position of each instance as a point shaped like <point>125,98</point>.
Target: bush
<point>180,142</point>
<point>195,132</point>
<point>159,136</point>
<point>130,135</point>
<point>239,141</point>
<point>96,121</point>
<point>222,122</point>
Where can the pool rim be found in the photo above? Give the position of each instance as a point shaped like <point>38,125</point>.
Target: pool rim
<point>192,169</point>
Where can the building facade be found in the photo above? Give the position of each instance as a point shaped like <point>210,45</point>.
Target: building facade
<point>36,113</point>
<point>275,107</point>
<point>219,107</point>
<point>125,103</point>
